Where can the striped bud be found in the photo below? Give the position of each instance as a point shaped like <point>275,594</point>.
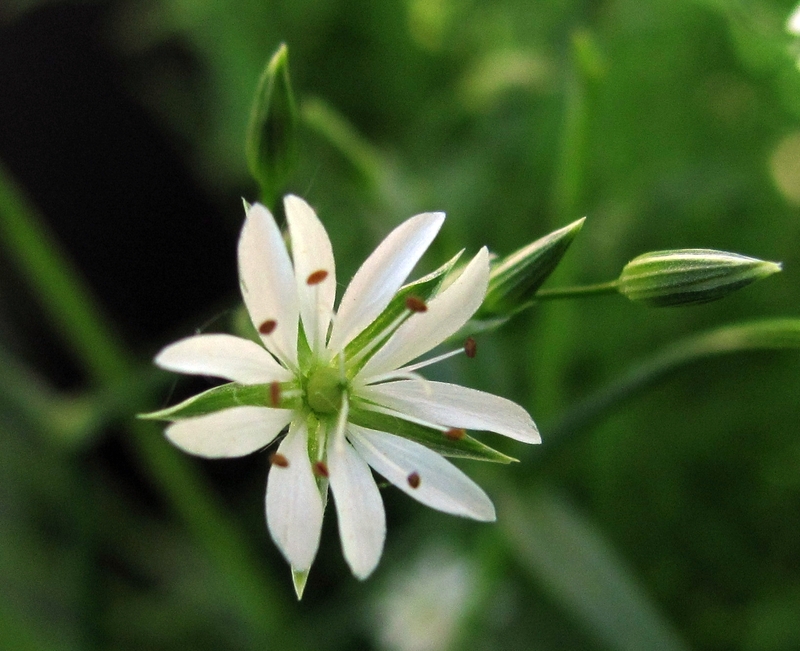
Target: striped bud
<point>687,276</point>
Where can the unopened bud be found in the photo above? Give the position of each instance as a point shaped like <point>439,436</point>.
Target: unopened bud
<point>271,135</point>
<point>514,279</point>
<point>686,276</point>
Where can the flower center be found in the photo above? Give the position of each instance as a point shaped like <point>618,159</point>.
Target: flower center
<point>324,390</point>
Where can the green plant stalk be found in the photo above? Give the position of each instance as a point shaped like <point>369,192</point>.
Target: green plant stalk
<point>580,291</point>
<point>388,184</point>
<point>188,494</point>
<point>770,334</point>
<point>27,393</point>
<point>558,326</point>
<point>568,186</point>
<point>71,308</point>
<point>568,558</point>
<point>75,314</point>
<point>340,134</point>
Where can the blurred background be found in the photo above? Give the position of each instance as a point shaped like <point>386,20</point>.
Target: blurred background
<point>671,522</point>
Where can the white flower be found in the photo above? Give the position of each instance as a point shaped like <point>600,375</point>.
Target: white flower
<point>793,22</point>
<point>329,387</point>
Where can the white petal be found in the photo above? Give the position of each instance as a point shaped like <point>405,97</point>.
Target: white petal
<point>225,356</point>
<point>231,432</point>
<point>267,281</point>
<point>294,505</point>
<point>451,405</point>
<point>311,252</point>
<point>359,508</point>
<point>381,275</point>
<point>442,486</point>
<point>446,313</point>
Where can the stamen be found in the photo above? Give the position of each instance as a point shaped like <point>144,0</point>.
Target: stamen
<point>268,327</point>
<point>395,375</point>
<point>316,277</point>
<point>470,347</point>
<point>403,371</point>
<point>455,434</point>
<point>277,459</point>
<point>401,415</point>
<point>320,469</point>
<point>275,393</point>
<point>414,480</point>
<point>416,304</point>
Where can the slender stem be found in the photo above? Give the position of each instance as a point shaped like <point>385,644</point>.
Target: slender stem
<point>770,334</point>
<point>578,292</point>
<point>389,183</point>
<point>71,308</point>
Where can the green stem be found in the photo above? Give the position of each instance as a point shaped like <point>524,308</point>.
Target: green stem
<point>771,334</point>
<point>249,587</point>
<point>388,183</point>
<point>71,308</point>
<point>597,289</point>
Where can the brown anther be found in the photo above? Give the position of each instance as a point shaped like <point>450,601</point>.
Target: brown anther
<point>275,393</point>
<point>267,327</point>
<point>413,480</point>
<point>416,304</point>
<point>277,459</point>
<point>316,277</point>
<point>320,469</point>
<point>455,434</point>
<point>470,347</point>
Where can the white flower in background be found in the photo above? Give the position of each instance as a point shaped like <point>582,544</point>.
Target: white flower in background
<point>793,27</point>
<point>331,386</point>
<point>422,606</point>
<point>793,23</point>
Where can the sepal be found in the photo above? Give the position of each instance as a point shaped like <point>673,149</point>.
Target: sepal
<point>224,397</point>
<point>514,280</point>
<point>423,288</point>
<point>299,579</point>
<point>465,447</point>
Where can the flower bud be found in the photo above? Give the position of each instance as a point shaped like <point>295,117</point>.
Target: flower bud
<point>687,276</point>
<point>515,279</point>
<point>271,135</point>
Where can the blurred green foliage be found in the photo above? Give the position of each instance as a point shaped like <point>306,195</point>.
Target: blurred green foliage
<point>671,523</point>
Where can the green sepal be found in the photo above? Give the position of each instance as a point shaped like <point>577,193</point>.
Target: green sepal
<point>513,281</point>
<point>221,397</point>
<point>299,579</point>
<point>466,447</point>
<point>424,288</point>
<point>689,276</point>
<point>271,144</point>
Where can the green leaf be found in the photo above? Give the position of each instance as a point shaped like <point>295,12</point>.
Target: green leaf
<point>424,288</point>
<point>271,146</point>
<point>570,559</point>
<point>221,397</point>
<point>688,276</point>
<point>514,279</point>
<point>466,447</point>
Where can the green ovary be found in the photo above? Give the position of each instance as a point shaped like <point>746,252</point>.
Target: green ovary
<point>324,390</point>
